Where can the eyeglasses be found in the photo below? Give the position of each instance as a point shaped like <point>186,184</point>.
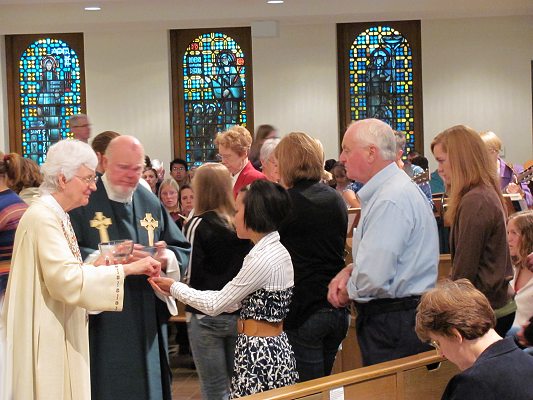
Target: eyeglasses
<point>88,179</point>
<point>435,344</point>
<point>220,157</point>
<point>178,168</point>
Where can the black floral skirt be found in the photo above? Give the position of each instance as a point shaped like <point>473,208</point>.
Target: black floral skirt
<point>262,363</point>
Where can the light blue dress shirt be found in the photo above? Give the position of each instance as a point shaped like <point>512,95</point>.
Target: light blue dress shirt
<point>396,244</point>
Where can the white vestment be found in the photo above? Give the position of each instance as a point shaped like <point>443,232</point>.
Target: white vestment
<point>43,323</point>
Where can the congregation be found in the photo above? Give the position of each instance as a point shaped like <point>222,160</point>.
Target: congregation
<point>254,246</point>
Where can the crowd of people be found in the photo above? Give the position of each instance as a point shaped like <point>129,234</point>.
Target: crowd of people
<point>254,246</point>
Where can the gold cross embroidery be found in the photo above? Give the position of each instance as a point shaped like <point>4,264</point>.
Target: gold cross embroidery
<point>149,223</point>
<point>101,222</point>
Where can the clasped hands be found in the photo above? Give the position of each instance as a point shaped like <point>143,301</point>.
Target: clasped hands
<point>337,288</point>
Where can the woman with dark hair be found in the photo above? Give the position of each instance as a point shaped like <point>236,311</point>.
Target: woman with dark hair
<point>315,235</point>
<point>263,133</point>
<point>476,216</point>
<point>458,320</point>
<point>150,176</point>
<point>263,287</point>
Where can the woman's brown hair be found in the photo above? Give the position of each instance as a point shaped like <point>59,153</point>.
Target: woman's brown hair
<point>523,221</point>
<point>10,168</point>
<point>470,164</point>
<point>454,304</point>
<point>213,191</point>
<point>299,157</point>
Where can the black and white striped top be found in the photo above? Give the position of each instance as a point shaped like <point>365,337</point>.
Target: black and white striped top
<point>268,266</point>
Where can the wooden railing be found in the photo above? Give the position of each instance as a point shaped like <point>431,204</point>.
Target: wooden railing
<point>420,377</point>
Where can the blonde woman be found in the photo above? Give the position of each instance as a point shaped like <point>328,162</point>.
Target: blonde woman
<point>476,214</point>
<point>217,257</point>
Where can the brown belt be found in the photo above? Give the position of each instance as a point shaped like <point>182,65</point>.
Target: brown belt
<point>253,327</point>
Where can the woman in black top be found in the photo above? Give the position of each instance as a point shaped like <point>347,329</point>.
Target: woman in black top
<point>216,257</point>
<point>315,235</point>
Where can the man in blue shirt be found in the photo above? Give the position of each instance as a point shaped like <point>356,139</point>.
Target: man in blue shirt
<point>395,247</point>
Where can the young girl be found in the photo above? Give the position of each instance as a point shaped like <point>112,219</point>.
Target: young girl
<point>520,237</point>
<point>217,255</point>
<point>263,357</point>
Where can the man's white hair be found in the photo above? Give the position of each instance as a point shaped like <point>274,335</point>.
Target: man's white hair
<point>378,133</point>
<point>65,157</point>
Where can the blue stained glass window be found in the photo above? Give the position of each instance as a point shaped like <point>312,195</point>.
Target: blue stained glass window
<point>214,83</point>
<point>50,92</point>
<point>383,79</point>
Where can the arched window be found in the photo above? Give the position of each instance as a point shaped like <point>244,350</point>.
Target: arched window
<point>381,76</point>
<point>212,84</point>
<point>47,83</point>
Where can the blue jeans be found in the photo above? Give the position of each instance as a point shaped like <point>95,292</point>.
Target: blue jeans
<point>212,341</point>
<point>316,342</point>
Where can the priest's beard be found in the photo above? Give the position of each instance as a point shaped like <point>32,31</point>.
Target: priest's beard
<point>124,192</point>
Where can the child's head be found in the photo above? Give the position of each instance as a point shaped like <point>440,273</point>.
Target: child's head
<point>520,236</point>
<point>261,208</point>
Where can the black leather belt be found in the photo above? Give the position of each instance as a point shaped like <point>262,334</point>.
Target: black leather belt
<point>380,306</point>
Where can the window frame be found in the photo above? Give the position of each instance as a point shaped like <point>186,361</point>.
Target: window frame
<point>15,47</point>
<point>346,35</point>
<point>179,41</point>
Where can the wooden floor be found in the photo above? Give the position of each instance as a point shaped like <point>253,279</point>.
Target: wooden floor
<point>185,382</point>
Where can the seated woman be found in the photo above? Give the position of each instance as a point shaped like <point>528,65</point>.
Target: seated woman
<point>506,172</point>
<point>186,202</point>
<point>458,320</point>
<point>150,176</point>
<point>168,194</point>
<point>476,216</point>
<point>263,357</point>
<point>520,237</point>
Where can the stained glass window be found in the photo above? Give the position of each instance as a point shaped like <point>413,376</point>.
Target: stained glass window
<point>49,81</point>
<point>213,90</point>
<point>381,79</point>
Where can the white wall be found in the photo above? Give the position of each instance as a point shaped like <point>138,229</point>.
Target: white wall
<point>475,71</point>
<point>295,82</point>
<point>478,72</point>
<point>128,87</point>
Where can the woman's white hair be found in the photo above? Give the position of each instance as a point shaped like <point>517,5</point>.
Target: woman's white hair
<point>268,148</point>
<point>65,157</point>
<point>379,134</point>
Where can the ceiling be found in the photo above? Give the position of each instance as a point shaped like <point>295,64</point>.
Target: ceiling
<point>26,16</point>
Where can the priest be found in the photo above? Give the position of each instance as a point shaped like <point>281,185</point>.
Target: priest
<point>129,350</point>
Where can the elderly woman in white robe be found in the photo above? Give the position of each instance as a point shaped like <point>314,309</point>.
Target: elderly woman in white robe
<point>43,324</point>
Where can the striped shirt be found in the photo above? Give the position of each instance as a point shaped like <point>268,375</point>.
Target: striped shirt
<point>267,266</point>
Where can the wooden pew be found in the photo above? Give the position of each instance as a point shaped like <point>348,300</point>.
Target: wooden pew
<point>403,379</point>
<point>349,354</point>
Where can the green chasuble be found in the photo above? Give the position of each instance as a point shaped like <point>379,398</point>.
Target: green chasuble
<point>129,349</point>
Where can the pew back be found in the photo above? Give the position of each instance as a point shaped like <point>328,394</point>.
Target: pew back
<point>403,379</point>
